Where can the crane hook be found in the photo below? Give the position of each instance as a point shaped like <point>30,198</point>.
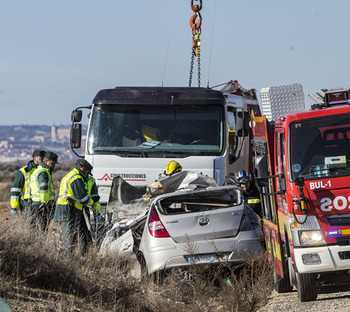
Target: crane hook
<point>196,27</point>
<point>196,8</point>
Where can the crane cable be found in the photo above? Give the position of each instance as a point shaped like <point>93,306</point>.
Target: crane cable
<point>196,32</point>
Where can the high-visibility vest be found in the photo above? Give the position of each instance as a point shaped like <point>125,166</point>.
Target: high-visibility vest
<point>66,191</point>
<point>89,184</point>
<point>25,190</point>
<point>37,194</point>
<point>254,201</point>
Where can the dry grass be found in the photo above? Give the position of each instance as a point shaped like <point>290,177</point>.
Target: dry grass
<point>31,266</point>
<point>35,276</point>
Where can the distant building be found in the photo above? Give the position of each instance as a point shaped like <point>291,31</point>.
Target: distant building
<point>4,144</point>
<point>18,142</point>
<point>37,138</point>
<point>63,134</point>
<point>53,134</point>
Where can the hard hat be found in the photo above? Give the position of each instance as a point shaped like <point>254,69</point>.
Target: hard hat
<point>172,167</point>
<point>244,176</point>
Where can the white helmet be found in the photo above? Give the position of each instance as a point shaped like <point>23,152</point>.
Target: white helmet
<point>244,177</point>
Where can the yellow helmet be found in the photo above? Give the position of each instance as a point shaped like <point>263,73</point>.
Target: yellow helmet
<point>172,167</point>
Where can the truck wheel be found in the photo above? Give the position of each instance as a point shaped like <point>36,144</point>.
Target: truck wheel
<point>282,285</point>
<point>306,287</point>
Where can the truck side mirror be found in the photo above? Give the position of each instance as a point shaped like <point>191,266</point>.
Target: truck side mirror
<point>260,170</point>
<point>75,136</point>
<point>242,123</point>
<point>282,182</point>
<point>76,115</point>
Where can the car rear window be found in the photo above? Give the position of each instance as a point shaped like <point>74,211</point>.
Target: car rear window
<point>197,203</point>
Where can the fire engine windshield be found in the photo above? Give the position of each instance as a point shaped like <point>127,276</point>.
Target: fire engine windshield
<point>156,131</point>
<point>320,147</point>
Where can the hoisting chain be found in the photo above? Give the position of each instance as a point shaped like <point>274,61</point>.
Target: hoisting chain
<point>196,32</point>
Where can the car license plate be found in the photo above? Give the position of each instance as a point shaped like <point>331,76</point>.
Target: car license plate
<point>209,258</point>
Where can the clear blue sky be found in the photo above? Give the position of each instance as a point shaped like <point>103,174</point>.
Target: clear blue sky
<point>55,55</point>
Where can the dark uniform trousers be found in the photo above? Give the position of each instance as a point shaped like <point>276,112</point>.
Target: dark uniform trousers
<point>74,231</point>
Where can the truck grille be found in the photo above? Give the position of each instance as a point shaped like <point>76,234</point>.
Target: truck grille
<point>339,220</point>
<point>343,240</point>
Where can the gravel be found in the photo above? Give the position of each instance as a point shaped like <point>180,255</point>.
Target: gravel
<point>329,298</point>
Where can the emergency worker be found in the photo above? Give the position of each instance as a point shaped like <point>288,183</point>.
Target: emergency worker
<point>42,191</point>
<point>72,196</point>
<point>250,192</point>
<point>172,167</point>
<point>91,188</point>
<point>20,188</point>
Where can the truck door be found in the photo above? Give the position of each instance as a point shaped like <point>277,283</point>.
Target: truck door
<point>280,180</point>
<point>265,157</point>
<point>282,216</point>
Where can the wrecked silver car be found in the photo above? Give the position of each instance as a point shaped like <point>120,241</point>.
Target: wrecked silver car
<point>181,220</point>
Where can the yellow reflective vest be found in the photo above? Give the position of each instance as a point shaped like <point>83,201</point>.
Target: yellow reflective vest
<point>65,194</point>
<point>37,194</point>
<point>24,192</point>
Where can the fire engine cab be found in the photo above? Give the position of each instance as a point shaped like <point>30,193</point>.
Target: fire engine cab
<point>302,169</point>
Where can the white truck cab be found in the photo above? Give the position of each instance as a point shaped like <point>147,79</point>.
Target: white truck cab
<point>133,132</point>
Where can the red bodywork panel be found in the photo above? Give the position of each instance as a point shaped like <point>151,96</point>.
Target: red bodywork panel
<point>329,197</point>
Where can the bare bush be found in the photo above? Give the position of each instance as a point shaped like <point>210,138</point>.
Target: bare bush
<point>224,287</point>
<point>32,266</point>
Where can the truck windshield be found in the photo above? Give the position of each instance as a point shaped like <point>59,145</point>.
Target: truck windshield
<point>320,147</point>
<point>146,131</point>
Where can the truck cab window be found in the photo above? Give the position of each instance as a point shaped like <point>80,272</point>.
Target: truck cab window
<point>156,129</point>
<point>231,119</point>
<point>325,142</point>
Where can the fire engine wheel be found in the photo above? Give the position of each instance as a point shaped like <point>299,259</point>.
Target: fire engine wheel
<point>306,287</point>
<point>282,285</point>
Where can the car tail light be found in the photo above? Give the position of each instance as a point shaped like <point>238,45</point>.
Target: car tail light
<point>155,226</point>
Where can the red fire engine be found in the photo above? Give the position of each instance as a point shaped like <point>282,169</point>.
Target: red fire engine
<point>302,169</point>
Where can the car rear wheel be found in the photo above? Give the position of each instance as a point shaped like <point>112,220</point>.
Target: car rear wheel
<point>142,261</point>
<point>158,277</point>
